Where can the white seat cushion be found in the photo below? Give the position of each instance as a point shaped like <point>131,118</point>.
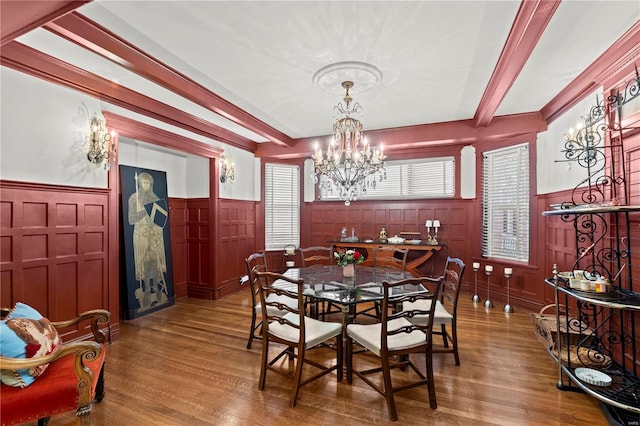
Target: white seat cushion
<point>316,331</point>
<point>369,336</point>
<point>441,315</point>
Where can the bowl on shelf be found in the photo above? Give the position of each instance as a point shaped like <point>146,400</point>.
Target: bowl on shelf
<point>593,377</point>
<point>415,242</point>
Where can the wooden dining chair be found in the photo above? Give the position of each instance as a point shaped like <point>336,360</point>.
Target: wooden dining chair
<point>393,340</point>
<point>256,261</point>
<point>319,256</point>
<point>394,258</point>
<point>297,331</point>
<point>316,255</point>
<point>390,257</point>
<point>445,316</point>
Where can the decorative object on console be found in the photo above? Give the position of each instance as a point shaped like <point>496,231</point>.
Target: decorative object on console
<point>100,143</point>
<point>476,267</point>
<point>435,224</point>
<point>488,270</point>
<point>383,235</point>
<point>227,168</point>
<point>507,273</point>
<point>395,240</point>
<point>349,166</point>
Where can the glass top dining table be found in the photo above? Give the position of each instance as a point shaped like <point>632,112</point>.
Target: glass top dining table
<point>327,283</point>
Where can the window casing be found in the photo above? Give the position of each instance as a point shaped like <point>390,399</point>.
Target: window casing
<point>281,206</point>
<point>419,178</point>
<point>505,203</point>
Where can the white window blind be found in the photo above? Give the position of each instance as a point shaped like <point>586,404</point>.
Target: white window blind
<point>505,203</point>
<point>281,206</point>
<point>423,178</point>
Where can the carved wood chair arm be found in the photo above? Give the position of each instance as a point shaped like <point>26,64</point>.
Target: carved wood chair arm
<point>96,316</point>
<point>86,350</point>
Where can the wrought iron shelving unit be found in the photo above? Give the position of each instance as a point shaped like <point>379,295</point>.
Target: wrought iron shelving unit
<point>604,326</point>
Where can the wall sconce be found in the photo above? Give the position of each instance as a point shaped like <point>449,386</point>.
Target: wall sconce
<point>227,168</point>
<point>100,143</point>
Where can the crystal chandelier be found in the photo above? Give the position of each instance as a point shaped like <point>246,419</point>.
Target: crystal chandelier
<point>349,166</point>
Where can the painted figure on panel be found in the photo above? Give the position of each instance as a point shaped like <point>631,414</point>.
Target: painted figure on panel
<point>146,232</point>
<point>148,216</point>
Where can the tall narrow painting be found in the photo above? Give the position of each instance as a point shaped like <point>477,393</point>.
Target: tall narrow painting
<point>148,272</point>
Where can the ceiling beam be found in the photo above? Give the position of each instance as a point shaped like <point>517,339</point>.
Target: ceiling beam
<point>531,20</point>
<point>38,64</point>
<point>422,136</point>
<point>623,52</point>
<point>97,39</point>
<point>20,17</point>
<point>146,133</point>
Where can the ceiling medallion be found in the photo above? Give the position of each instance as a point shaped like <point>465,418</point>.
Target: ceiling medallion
<point>365,76</point>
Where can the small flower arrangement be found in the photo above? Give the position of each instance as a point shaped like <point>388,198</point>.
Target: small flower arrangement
<point>348,257</point>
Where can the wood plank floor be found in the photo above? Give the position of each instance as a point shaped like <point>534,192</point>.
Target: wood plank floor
<point>188,365</point>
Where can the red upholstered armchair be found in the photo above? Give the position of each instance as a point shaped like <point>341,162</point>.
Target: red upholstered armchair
<point>72,381</point>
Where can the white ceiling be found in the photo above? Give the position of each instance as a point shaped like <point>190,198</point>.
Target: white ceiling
<point>436,57</point>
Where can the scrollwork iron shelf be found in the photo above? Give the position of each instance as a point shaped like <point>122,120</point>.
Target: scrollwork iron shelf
<point>606,325</point>
<point>594,316</point>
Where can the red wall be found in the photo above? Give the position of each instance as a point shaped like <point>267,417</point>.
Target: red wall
<point>54,251</point>
<point>236,233</point>
<point>179,246</point>
<point>237,230</point>
<point>198,245</point>
<point>322,222</point>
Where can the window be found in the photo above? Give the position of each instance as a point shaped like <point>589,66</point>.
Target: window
<point>281,206</point>
<point>505,203</point>
<point>422,178</point>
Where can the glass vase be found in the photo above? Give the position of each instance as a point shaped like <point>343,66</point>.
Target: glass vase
<point>349,271</point>
<point>349,274</point>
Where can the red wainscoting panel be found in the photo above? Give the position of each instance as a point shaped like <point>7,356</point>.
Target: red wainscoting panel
<point>237,234</point>
<point>199,272</point>
<point>237,228</point>
<point>632,154</point>
<point>560,243</point>
<point>322,222</point>
<point>633,166</point>
<point>54,250</point>
<point>179,250</point>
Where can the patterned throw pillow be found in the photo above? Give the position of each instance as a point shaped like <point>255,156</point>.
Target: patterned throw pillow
<point>24,333</point>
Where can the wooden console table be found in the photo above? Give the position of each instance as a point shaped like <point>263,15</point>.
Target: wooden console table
<point>424,252</point>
